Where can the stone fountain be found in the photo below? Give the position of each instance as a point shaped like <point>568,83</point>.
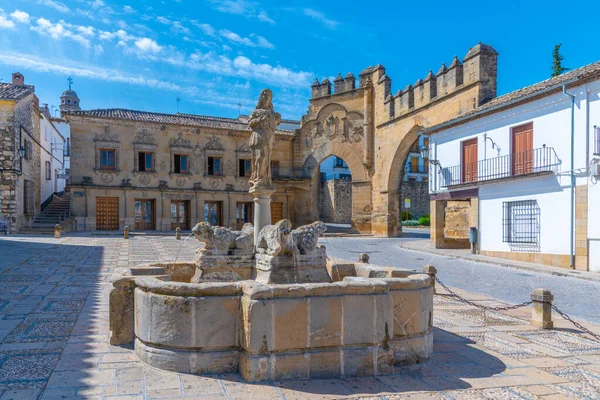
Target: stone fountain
<point>266,302</point>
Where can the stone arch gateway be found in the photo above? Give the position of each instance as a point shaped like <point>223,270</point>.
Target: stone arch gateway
<point>372,128</point>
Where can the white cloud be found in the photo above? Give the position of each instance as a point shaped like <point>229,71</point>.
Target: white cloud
<point>107,75</point>
<point>206,28</point>
<point>59,30</point>
<point>264,17</point>
<point>20,16</point>
<point>235,38</point>
<point>98,49</point>
<point>147,45</point>
<point>128,10</point>
<point>319,16</point>
<point>86,30</point>
<point>246,8</point>
<point>57,5</point>
<point>120,34</point>
<point>6,23</point>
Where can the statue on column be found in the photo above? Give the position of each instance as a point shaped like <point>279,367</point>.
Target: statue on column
<point>263,121</point>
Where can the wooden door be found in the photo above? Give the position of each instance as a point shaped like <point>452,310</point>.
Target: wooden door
<point>522,149</point>
<point>276,212</point>
<point>180,214</point>
<point>469,161</point>
<point>107,213</point>
<point>144,215</point>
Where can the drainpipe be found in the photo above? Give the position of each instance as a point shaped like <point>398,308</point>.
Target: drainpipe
<point>571,227</point>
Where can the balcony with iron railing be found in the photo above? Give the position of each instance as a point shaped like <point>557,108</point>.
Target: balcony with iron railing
<point>534,162</point>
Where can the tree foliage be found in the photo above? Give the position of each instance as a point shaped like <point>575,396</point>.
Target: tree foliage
<point>557,68</point>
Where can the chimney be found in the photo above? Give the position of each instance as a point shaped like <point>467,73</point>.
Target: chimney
<point>18,79</point>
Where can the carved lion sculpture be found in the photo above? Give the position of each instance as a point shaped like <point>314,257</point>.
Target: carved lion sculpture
<point>277,239</point>
<point>219,240</point>
<point>307,236</point>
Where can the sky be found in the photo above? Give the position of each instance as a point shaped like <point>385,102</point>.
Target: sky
<point>215,55</point>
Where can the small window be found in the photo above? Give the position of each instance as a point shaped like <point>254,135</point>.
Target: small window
<point>145,162</point>
<point>339,163</point>
<point>414,164</point>
<point>214,166</point>
<point>521,221</point>
<point>180,163</point>
<point>107,158</point>
<point>275,169</point>
<point>245,168</point>
<point>48,171</point>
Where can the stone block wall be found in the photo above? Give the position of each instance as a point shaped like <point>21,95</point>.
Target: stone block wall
<point>418,193</point>
<point>335,201</point>
<point>458,219</point>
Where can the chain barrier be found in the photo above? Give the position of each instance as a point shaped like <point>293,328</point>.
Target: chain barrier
<point>527,303</point>
<point>462,299</point>
<point>577,324</point>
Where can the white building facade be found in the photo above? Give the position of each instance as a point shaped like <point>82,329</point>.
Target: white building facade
<point>507,170</point>
<point>52,158</point>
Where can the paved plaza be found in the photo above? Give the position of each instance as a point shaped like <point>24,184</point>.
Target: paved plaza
<point>54,332</point>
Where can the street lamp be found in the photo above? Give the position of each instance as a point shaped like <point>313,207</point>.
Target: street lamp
<point>425,152</point>
<point>22,151</point>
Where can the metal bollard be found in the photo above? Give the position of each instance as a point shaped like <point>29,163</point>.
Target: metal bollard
<point>432,272</point>
<point>178,233</point>
<point>363,258</point>
<point>126,232</point>
<point>57,231</point>
<point>541,309</point>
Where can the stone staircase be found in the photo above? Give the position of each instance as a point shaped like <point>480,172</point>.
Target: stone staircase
<point>57,212</point>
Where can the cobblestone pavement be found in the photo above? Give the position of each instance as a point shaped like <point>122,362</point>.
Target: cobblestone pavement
<point>54,340</point>
<point>504,283</point>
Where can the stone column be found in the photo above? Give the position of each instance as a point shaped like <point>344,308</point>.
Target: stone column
<point>541,314</point>
<point>262,209</point>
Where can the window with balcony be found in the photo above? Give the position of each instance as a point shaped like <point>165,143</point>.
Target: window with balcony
<point>469,161</point>
<point>180,163</point>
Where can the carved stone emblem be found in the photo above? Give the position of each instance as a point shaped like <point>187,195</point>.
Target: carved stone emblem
<point>163,166</point>
<point>180,181</point>
<point>244,184</point>
<point>145,179</point>
<point>332,125</point>
<point>106,137</point>
<point>213,183</point>
<point>230,168</point>
<point>107,178</point>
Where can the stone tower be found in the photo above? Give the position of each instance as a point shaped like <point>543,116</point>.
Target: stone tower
<point>69,101</point>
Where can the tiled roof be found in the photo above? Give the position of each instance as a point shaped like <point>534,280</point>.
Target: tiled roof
<point>175,119</point>
<point>12,92</point>
<point>585,72</point>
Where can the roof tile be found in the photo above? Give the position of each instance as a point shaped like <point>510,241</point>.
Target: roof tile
<point>12,92</point>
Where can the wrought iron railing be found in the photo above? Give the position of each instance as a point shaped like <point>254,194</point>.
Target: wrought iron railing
<point>534,161</point>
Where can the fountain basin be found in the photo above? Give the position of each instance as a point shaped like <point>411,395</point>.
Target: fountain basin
<point>366,322</point>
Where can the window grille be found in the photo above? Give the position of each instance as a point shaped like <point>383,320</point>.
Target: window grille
<point>521,221</point>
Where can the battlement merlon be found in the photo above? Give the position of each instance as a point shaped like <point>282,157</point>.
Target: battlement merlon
<point>479,66</point>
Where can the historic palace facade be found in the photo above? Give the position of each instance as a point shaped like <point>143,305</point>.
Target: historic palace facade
<point>159,171</point>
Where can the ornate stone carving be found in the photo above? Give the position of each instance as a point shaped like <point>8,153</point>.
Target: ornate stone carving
<point>230,168</point>
<point>87,180</point>
<point>213,183</point>
<point>197,185</point>
<point>180,181</point>
<point>145,179</point>
<point>356,133</point>
<point>163,185</point>
<point>163,166</point>
<point>262,122</point>
<point>214,143</point>
<point>332,125</point>
<point>143,137</point>
<point>229,187</point>
<point>126,182</point>
<point>106,137</point>
<point>277,239</point>
<point>180,141</point>
<point>243,148</point>
<point>307,236</point>
<point>107,178</point>
<point>219,240</point>
<point>244,184</point>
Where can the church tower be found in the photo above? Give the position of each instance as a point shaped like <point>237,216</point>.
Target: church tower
<point>69,100</point>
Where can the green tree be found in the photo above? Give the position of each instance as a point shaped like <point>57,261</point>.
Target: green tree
<point>557,58</point>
